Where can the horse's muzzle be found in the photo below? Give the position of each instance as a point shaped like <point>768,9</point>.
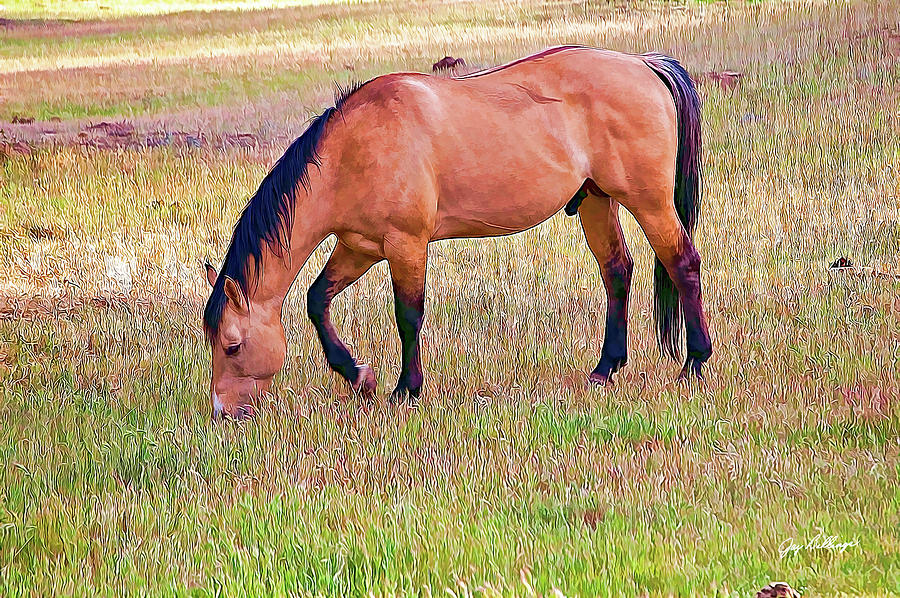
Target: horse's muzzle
<point>241,412</point>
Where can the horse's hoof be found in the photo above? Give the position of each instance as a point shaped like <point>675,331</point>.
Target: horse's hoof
<point>365,380</point>
<point>597,379</point>
<point>603,373</point>
<point>691,372</point>
<point>403,395</point>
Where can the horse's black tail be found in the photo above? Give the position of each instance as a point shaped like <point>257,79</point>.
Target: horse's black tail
<point>688,187</point>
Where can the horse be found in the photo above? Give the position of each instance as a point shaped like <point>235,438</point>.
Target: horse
<point>410,158</point>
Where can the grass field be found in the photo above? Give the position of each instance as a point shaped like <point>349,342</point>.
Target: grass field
<point>511,477</point>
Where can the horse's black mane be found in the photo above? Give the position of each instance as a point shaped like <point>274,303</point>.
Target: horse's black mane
<point>268,216</point>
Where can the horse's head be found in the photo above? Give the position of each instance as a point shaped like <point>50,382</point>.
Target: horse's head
<point>248,349</point>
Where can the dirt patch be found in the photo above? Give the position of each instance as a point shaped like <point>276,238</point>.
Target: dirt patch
<point>242,140</point>
<point>114,129</point>
<point>43,307</point>
<point>25,137</point>
<point>123,135</point>
<point>9,149</point>
<point>32,24</point>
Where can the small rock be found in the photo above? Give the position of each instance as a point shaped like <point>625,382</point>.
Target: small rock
<point>777,589</point>
<point>841,263</point>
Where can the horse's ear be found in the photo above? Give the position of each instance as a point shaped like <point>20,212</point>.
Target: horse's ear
<point>235,294</point>
<point>211,274</point>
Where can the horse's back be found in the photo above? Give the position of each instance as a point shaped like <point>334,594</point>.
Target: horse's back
<point>503,150</point>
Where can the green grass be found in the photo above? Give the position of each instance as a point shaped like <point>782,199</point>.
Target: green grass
<point>511,477</point>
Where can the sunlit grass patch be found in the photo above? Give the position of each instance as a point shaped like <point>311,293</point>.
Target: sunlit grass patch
<point>104,9</point>
<point>511,475</point>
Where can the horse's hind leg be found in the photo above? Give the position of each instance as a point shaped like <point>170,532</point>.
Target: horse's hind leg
<point>676,251</point>
<point>343,268</point>
<point>600,221</point>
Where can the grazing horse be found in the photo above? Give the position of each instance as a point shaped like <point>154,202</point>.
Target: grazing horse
<point>409,158</point>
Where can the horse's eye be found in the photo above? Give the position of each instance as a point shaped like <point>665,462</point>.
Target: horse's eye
<point>232,349</point>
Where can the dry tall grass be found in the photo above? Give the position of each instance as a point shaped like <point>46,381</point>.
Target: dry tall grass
<point>511,474</point>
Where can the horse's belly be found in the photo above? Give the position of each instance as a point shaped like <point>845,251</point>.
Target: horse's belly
<point>506,212</point>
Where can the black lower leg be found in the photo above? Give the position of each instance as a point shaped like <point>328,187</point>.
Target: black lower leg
<point>617,279</point>
<point>410,314</point>
<point>686,275</point>
<point>318,302</point>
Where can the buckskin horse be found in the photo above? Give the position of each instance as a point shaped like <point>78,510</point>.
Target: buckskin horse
<point>409,158</point>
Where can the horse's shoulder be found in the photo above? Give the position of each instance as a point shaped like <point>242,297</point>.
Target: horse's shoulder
<point>400,93</point>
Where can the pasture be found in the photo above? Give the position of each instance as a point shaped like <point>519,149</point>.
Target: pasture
<point>131,137</point>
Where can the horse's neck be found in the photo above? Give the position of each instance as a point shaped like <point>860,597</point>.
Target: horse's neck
<point>311,224</point>
<point>279,271</point>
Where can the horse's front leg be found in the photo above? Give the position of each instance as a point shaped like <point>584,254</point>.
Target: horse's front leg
<point>344,267</point>
<point>408,259</point>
